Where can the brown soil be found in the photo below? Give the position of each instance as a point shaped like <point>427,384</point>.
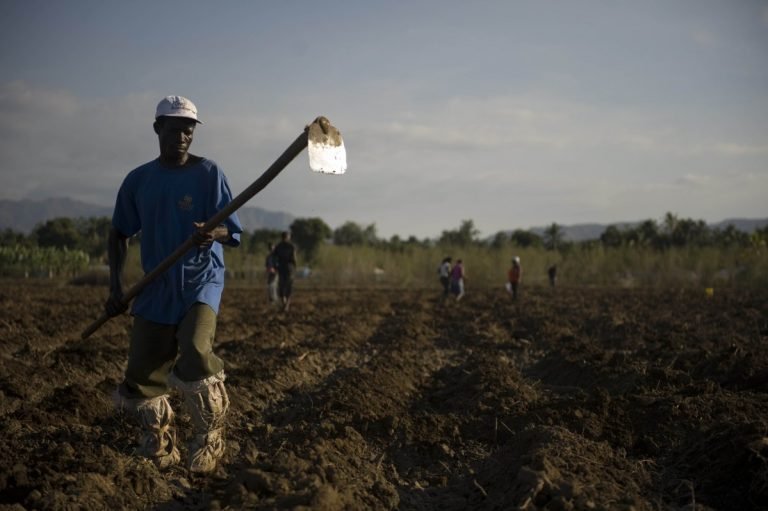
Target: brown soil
<point>575,399</point>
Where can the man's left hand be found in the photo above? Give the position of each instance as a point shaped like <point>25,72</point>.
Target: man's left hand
<point>204,238</point>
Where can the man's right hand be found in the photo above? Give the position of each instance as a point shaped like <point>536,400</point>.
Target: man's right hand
<point>114,305</point>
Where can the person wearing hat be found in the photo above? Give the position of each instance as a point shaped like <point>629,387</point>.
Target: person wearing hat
<point>514,275</point>
<point>168,200</point>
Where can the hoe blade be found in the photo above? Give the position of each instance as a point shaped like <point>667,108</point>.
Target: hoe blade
<point>326,148</point>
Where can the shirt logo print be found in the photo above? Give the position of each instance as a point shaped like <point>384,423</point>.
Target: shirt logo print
<point>185,204</point>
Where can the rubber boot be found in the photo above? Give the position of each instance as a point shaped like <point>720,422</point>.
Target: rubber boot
<point>207,403</point>
<point>158,439</point>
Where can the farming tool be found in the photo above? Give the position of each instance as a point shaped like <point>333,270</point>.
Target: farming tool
<point>326,155</point>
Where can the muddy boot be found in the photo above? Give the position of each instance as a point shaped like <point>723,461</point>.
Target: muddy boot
<point>158,439</point>
<point>207,403</point>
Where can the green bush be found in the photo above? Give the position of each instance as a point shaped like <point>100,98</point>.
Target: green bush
<point>26,261</point>
<point>415,265</point>
<point>588,265</point>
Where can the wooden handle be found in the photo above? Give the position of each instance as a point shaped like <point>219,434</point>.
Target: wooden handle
<point>94,326</point>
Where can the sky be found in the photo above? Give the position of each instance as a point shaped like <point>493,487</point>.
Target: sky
<point>512,114</point>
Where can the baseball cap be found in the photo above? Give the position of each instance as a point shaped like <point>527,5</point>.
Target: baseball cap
<point>177,106</point>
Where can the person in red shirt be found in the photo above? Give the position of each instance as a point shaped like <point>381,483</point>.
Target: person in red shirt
<point>514,276</point>
<point>458,276</point>
<point>270,264</point>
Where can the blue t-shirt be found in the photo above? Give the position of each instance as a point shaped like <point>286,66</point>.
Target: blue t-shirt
<point>163,203</point>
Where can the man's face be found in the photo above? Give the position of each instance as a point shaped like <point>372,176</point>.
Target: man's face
<point>175,135</point>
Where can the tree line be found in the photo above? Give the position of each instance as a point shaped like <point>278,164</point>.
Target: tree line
<point>89,236</point>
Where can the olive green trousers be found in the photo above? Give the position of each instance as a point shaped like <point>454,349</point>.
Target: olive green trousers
<point>157,349</point>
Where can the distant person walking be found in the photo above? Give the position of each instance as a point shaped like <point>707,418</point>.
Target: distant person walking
<point>514,276</point>
<point>270,266</point>
<point>444,271</point>
<point>458,276</point>
<point>285,255</point>
<point>552,274</point>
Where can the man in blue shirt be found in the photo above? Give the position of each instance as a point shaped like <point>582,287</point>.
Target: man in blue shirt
<point>169,200</point>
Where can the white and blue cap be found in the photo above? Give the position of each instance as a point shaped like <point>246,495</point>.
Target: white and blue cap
<point>177,106</point>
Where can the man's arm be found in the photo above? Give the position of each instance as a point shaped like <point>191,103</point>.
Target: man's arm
<point>117,251</point>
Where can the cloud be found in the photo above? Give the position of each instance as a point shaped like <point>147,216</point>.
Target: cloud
<point>733,149</point>
<point>416,166</point>
<point>19,100</point>
<point>504,122</point>
<point>706,39</point>
<point>55,143</point>
<point>693,180</point>
<point>434,136</point>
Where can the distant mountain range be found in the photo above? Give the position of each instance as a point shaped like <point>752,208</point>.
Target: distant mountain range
<point>24,215</point>
<point>583,232</point>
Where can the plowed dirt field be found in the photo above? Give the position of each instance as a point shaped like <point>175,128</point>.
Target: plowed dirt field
<point>566,399</point>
